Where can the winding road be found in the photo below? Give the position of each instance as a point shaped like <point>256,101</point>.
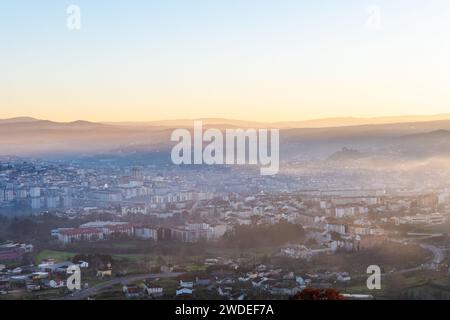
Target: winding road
<point>90,292</point>
<point>438,253</point>
<point>438,257</point>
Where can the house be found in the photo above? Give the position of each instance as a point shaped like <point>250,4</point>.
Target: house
<point>10,251</point>
<point>284,289</point>
<point>94,231</point>
<point>39,275</point>
<point>153,290</point>
<point>104,273</point>
<point>186,284</point>
<point>244,279</point>
<point>166,268</point>
<point>248,276</point>
<point>239,296</point>
<point>298,252</point>
<point>184,291</point>
<point>210,262</point>
<point>131,291</point>
<point>17,270</point>
<point>359,230</point>
<point>21,280</point>
<point>343,278</point>
<point>258,282</point>
<point>226,281</point>
<point>33,287</point>
<point>55,267</point>
<point>261,268</point>
<point>300,281</point>
<point>337,227</point>
<point>224,291</point>
<point>202,282</point>
<point>80,234</point>
<point>349,211</point>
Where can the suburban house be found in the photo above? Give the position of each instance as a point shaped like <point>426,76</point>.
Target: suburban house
<point>186,284</point>
<point>184,291</point>
<point>153,290</point>
<point>131,291</point>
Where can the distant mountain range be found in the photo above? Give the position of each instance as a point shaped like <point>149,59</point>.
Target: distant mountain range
<point>26,136</point>
<point>315,123</point>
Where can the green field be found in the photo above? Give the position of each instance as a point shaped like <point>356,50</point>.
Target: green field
<point>192,267</point>
<point>59,256</point>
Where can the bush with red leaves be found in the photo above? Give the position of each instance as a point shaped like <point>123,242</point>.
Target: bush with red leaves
<point>318,294</point>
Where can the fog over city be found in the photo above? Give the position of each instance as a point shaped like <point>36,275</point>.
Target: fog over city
<point>108,198</point>
<point>253,153</point>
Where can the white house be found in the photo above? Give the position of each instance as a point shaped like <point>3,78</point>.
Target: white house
<point>131,291</point>
<point>181,291</point>
<point>186,284</point>
<point>153,290</point>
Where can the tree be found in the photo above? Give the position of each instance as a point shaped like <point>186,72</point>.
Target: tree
<point>318,294</point>
<point>254,236</point>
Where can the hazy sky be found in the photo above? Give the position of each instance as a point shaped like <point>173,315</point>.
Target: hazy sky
<point>247,59</point>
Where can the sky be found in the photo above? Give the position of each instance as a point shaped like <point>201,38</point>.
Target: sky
<point>262,60</point>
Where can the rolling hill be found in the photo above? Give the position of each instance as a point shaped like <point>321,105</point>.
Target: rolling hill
<point>28,136</point>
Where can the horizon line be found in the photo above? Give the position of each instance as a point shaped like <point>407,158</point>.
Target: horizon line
<point>331,118</point>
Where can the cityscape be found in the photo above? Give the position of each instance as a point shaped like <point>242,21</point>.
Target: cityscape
<point>141,227</point>
<point>250,152</point>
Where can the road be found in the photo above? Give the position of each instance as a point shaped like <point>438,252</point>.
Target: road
<point>86,293</point>
<point>438,253</point>
<point>438,257</point>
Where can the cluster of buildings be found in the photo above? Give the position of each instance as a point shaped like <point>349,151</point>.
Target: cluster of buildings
<point>148,289</point>
<point>350,222</point>
<point>38,185</point>
<point>260,280</point>
<point>192,231</point>
<point>93,231</point>
<point>200,205</point>
<point>48,275</point>
<point>11,251</point>
<point>421,219</point>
